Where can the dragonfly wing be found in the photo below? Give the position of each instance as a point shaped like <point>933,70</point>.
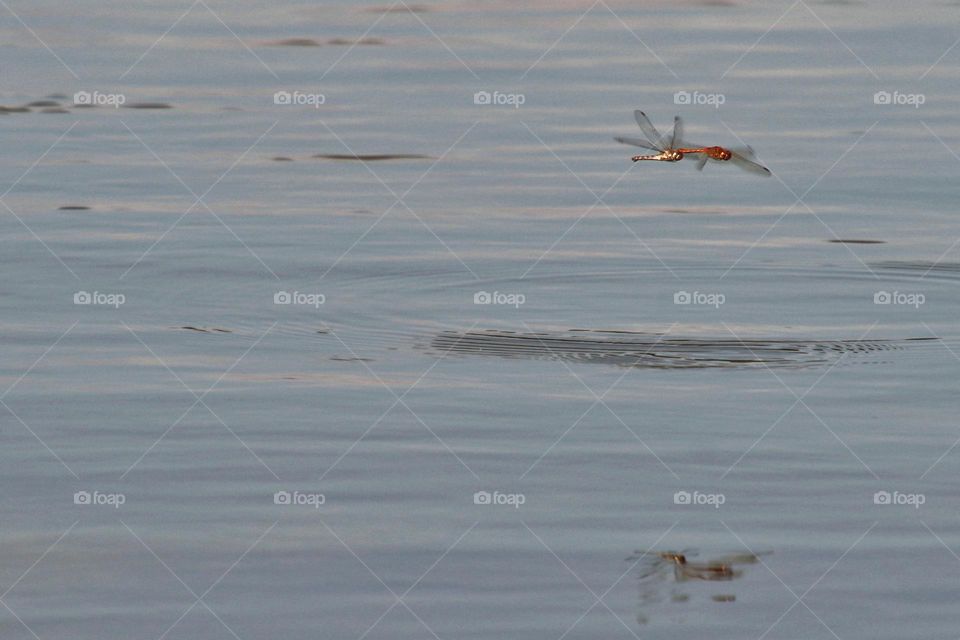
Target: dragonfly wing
<point>648,129</point>
<point>702,162</point>
<point>637,142</point>
<point>739,157</point>
<point>675,141</point>
<point>741,558</point>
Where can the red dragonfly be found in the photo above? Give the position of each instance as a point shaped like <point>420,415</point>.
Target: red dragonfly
<point>672,148</point>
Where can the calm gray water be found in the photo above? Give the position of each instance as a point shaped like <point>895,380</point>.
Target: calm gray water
<point>484,410</point>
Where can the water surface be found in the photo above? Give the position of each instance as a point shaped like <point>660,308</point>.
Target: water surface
<point>374,290</point>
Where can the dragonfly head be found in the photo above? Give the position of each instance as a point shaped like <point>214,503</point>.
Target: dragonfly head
<point>671,556</point>
<point>717,153</point>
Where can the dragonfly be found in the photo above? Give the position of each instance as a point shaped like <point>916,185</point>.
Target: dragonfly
<point>672,148</point>
<point>723,568</point>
